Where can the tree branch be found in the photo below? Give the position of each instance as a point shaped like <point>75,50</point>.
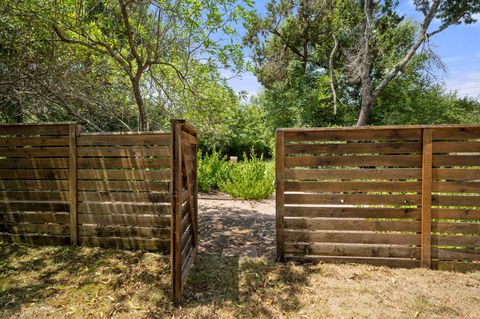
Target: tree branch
<point>332,77</point>
<point>400,66</point>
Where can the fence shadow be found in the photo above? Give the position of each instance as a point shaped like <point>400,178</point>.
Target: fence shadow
<point>246,287</point>
<point>236,264</point>
<point>41,274</point>
<point>233,231</point>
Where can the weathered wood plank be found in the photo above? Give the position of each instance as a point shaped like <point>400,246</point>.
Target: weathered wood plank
<point>456,160</point>
<point>124,174</point>
<point>456,228</point>
<point>123,186</point>
<point>353,148</point>
<point>450,200</point>
<point>447,133</point>
<point>335,187</point>
<point>55,174</point>
<point>123,231</point>
<point>188,138</point>
<point>35,130</point>
<point>352,224</point>
<point>451,213</point>
<point>124,208</point>
<point>125,162</point>
<point>34,185</point>
<point>35,218</point>
<point>280,193</point>
<point>457,146</point>
<point>364,134</point>
<point>35,239</point>
<point>126,151</point>
<point>456,187</point>
<point>456,240</point>
<point>426,245</point>
<point>352,250</point>
<point>128,220</point>
<point>176,220</point>
<point>124,139</point>
<point>37,152</point>
<point>353,199</point>
<point>352,237</point>
<point>351,212</point>
<point>146,197</point>
<point>456,174</point>
<point>330,174</point>
<point>22,228</point>
<point>10,206</point>
<point>126,243</point>
<point>34,163</point>
<point>33,196</point>
<point>72,181</point>
<point>34,141</point>
<point>456,254</point>
<point>351,161</point>
<point>389,262</point>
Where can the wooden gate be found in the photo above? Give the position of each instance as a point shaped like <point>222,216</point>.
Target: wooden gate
<point>184,243</point>
<point>404,196</point>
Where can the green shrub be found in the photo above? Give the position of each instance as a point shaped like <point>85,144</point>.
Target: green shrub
<point>211,169</point>
<point>251,179</point>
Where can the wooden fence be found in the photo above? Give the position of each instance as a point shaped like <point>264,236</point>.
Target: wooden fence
<point>59,186</point>
<point>185,204</point>
<point>403,196</point>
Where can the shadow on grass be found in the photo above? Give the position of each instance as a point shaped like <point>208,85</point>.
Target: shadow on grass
<point>248,287</point>
<point>35,274</point>
<point>232,232</point>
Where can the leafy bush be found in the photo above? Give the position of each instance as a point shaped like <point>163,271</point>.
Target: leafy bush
<point>211,169</point>
<point>251,179</point>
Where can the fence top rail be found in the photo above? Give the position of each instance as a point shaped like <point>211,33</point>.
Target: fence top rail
<point>37,124</point>
<point>190,129</point>
<point>381,127</point>
<point>125,133</point>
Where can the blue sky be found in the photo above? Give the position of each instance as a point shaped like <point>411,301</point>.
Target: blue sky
<point>458,47</point>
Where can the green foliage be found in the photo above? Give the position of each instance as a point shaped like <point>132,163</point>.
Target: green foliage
<point>251,179</point>
<point>295,52</point>
<point>211,169</point>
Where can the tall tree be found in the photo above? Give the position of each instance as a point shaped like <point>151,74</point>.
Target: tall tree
<point>361,46</point>
<point>142,35</point>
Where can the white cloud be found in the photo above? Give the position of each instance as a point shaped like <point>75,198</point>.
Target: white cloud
<point>466,84</point>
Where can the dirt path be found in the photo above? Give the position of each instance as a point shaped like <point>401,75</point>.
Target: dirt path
<point>234,228</point>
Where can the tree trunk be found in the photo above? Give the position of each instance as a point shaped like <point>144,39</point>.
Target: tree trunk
<point>365,108</point>
<point>18,113</point>
<point>367,93</point>
<point>143,125</point>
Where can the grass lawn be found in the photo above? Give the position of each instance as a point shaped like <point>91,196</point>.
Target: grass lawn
<point>63,282</point>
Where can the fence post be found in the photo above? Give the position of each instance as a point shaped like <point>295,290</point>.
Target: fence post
<point>175,235</point>
<point>426,245</point>
<point>280,193</point>
<point>72,153</point>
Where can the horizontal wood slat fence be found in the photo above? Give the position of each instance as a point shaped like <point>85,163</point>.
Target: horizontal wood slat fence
<point>59,186</point>
<point>404,196</point>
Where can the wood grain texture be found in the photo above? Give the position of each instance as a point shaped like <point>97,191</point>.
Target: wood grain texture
<point>426,246</point>
<point>72,181</point>
<point>280,194</point>
<point>393,195</point>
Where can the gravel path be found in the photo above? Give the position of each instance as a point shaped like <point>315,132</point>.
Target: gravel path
<point>232,227</point>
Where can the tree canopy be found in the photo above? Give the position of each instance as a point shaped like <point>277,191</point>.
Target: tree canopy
<point>134,64</point>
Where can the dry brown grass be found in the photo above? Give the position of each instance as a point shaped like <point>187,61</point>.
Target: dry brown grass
<point>62,282</point>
